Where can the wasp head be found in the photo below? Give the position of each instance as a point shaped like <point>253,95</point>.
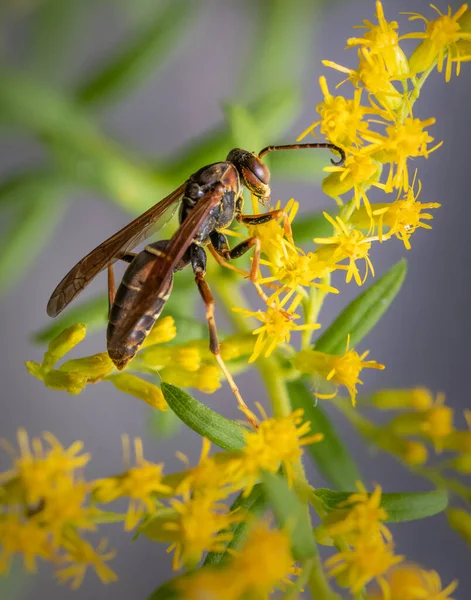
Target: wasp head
<point>254,174</point>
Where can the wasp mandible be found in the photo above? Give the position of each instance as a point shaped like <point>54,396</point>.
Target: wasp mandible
<point>210,200</point>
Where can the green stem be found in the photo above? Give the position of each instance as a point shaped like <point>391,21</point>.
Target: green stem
<point>275,384</point>
<point>406,109</point>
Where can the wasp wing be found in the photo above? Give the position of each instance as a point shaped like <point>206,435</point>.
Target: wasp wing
<point>157,280</point>
<point>108,252</point>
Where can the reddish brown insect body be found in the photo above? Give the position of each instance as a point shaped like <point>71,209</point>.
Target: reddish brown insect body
<point>210,200</point>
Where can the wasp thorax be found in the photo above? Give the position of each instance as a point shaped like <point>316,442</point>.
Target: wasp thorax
<point>255,175</point>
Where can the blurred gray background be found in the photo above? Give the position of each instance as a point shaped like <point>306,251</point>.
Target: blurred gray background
<point>423,339</point>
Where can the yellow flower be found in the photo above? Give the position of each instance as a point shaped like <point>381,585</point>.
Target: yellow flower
<point>374,76</point>
<point>368,559</point>
<point>272,235</point>
<point>264,561</point>
<point>163,331</point>
<point>138,483</point>
<point>341,119</point>
<point>346,243</point>
<point>339,369</point>
<point>460,521</point>
<point>439,41</point>
<point>67,506</point>
<point>209,584</point>
<point>27,537</point>
<point>139,388</point>
<point>63,343</point>
<point>42,470</point>
<point>197,528</point>
<point>276,329</point>
<point>357,173</point>
<point>212,477</point>
<point>298,270</point>
<point>418,398</point>
<point>435,423</point>
<point>402,141</point>
<point>252,572</point>
<point>411,582</point>
<point>82,555</point>
<point>383,41</point>
<point>360,516</point>
<point>401,218</point>
<point>277,441</point>
<point>207,379</point>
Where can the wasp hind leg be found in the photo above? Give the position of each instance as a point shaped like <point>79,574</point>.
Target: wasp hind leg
<point>126,257</point>
<point>198,264</point>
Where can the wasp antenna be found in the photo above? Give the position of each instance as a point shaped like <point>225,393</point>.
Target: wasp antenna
<point>326,145</point>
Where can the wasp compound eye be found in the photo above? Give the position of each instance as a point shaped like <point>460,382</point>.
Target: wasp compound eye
<point>255,175</point>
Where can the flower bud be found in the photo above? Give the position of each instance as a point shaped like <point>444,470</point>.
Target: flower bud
<point>139,388</point>
<point>460,521</point>
<point>63,343</point>
<point>416,398</point>
<point>93,367</point>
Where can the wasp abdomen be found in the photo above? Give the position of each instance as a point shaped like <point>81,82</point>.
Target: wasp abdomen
<point>123,345</point>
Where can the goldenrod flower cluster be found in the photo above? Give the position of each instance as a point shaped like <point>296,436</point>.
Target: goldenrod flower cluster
<point>47,505</point>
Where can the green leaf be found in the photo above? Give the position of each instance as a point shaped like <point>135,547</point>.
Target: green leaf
<point>167,591</point>
<point>363,313</point>
<point>93,313</point>
<point>31,230</point>
<point>401,507</point>
<point>254,504</point>
<point>307,227</point>
<point>143,54</point>
<point>223,432</point>
<point>331,456</point>
<point>243,128</point>
<point>82,151</point>
<point>290,513</point>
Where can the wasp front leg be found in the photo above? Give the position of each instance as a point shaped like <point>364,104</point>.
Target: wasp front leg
<point>198,264</point>
<point>266,218</point>
<point>221,247</point>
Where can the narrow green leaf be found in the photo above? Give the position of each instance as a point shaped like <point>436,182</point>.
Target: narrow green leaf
<point>144,53</point>
<point>254,504</point>
<point>364,312</point>
<point>29,233</point>
<point>81,150</point>
<point>331,456</point>
<point>307,227</point>
<point>28,185</point>
<point>290,513</point>
<point>167,591</point>
<point>93,313</point>
<point>401,507</point>
<point>243,128</point>
<point>56,24</point>
<point>223,432</point>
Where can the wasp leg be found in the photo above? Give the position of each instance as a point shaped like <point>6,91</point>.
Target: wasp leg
<point>198,263</point>
<point>111,288</point>
<point>266,218</point>
<point>126,257</point>
<point>221,246</point>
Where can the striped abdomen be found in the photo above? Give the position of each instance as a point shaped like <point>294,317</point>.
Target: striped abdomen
<point>122,346</point>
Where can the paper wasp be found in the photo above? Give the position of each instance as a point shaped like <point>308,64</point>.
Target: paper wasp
<point>210,200</point>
